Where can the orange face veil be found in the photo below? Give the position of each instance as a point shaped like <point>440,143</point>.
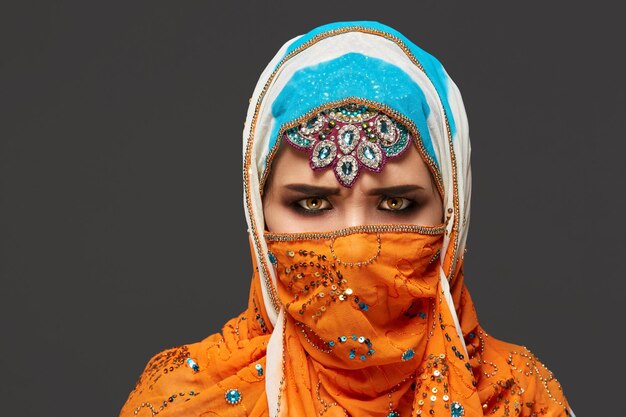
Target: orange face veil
<point>371,320</point>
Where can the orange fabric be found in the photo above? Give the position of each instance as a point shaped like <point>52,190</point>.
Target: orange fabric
<point>410,358</point>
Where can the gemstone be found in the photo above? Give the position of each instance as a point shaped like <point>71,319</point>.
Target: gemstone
<point>323,154</point>
<point>348,137</point>
<point>456,410</point>
<point>408,354</point>
<point>384,128</point>
<point>272,258</point>
<point>346,170</point>
<point>387,132</point>
<point>313,125</point>
<point>233,396</point>
<point>193,365</point>
<point>370,155</point>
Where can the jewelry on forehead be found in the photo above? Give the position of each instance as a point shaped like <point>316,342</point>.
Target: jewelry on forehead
<point>349,139</point>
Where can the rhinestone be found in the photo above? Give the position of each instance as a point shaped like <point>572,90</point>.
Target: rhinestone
<point>233,396</point>
<point>456,410</point>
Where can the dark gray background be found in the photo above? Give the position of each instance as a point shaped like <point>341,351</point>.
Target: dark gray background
<point>120,238</point>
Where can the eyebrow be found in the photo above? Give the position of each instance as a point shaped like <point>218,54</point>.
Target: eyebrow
<point>319,190</point>
<point>313,189</point>
<point>396,190</point>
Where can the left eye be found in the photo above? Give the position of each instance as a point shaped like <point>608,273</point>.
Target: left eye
<point>394,203</point>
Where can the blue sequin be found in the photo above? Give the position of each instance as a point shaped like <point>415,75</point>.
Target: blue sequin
<point>259,369</point>
<point>363,306</point>
<point>233,396</point>
<point>422,314</point>
<point>272,258</point>
<point>456,410</point>
<point>343,339</point>
<point>352,354</point>
<point>393,414</point>
<point>331,343</point>
<point>408,354</point>
<point>193,365</point>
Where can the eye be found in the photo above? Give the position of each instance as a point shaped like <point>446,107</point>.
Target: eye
<point>313,204</point>
<point>395,203</point>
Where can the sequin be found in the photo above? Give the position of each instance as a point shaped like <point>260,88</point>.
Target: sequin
<point>408,354</point>
<point>272,258</point>
<point>456,410</point>
<point>259,369</point>
<point>233,396</point>
<point>192,364</point>
<point>393,414</point>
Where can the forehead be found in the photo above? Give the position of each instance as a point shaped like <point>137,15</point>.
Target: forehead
<point>291,166</point>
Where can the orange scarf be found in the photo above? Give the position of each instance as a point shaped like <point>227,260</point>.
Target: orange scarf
<point>366,333</point>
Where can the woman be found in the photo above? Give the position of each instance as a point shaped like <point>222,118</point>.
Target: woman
<point>357,195</point>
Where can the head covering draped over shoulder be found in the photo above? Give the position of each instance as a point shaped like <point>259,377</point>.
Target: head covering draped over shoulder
<point>262,364</point>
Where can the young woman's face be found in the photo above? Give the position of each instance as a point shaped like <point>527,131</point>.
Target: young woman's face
<point>298,199</point>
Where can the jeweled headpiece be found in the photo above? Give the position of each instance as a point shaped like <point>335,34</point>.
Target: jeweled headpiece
<point>348,139</point>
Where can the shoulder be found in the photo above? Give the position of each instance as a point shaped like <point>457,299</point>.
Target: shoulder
<point>169,376</point>
<point>161,380</point>
<point>192,377</point>
<point>511,376</point>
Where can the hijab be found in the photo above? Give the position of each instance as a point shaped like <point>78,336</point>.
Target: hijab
<point>398,334</point>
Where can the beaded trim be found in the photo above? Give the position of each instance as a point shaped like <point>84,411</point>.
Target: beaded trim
<point>370,228</point>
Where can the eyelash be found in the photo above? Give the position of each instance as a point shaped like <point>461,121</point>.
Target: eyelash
<point>411,206</point>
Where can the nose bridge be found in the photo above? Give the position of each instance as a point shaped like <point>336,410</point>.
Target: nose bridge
<point>354,213</point>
